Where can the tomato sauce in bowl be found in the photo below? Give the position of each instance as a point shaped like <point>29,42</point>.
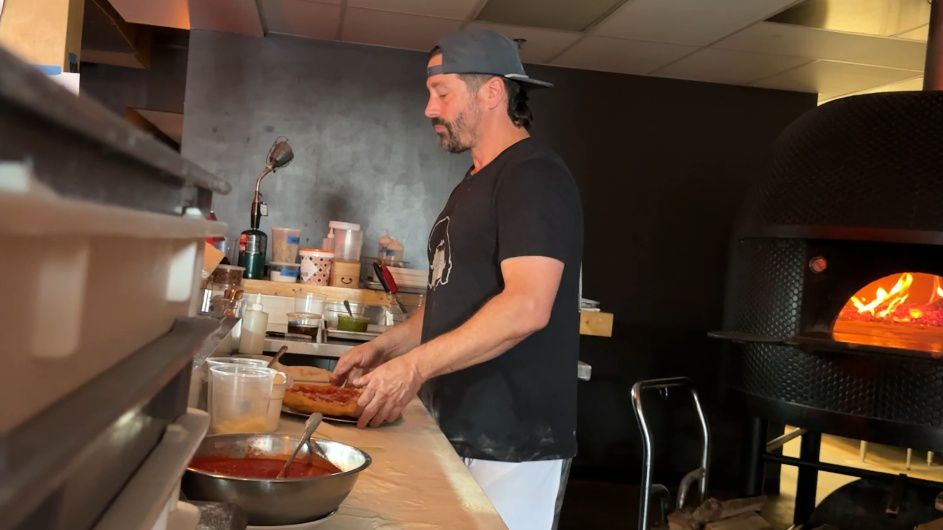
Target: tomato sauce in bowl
<point>264,468</point>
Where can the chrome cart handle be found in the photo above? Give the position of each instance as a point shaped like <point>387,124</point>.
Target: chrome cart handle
<point>665,385</point>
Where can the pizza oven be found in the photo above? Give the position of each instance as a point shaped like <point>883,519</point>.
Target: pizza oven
<point>834,302</point>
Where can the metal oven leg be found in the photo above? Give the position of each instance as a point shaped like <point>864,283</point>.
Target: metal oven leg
<point>808,477</point>
<point>756,447</point>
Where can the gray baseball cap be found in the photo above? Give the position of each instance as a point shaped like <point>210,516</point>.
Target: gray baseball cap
<point>482,51</point>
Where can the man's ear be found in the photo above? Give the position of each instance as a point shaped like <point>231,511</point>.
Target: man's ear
<point>494,92</point>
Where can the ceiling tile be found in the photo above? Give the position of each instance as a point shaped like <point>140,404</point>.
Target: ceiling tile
<point>920,33</point>
<point>729,66</point>
<point>301,17</point>
<point>685,21</point>
<point>914,83</point>
<point>396,30</point>
<point>542,44</point>
<point>619,55</point>
<point>230,16</point>
<point>830,79</point>
<point>555,14</point>
<point>801,41</point>
<point>456,9</point>
<point>869,17</point>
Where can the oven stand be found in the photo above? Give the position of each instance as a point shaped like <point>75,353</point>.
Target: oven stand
<point>761,453</point>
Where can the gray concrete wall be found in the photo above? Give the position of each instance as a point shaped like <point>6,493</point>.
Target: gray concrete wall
<point>364,152</point>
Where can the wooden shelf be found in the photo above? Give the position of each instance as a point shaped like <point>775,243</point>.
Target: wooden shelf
<point>366,296</point>
<point>595,323</point>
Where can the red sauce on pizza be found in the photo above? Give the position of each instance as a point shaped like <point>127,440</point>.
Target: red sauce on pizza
<point>333,394</point>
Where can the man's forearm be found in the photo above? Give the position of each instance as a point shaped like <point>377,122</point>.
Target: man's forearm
<point>401,338</point>
<point>499,325</point>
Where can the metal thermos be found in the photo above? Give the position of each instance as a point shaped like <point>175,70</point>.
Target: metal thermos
<point>252,245</point>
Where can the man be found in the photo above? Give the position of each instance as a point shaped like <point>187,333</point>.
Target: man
<point>493,352</point>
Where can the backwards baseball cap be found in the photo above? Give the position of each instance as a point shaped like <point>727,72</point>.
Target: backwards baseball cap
<point>482,51</point>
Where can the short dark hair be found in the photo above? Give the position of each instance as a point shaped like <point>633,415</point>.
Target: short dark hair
<point>518,110</point>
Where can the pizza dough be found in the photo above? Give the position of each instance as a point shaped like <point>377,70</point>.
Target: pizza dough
<point>326,399</point>
<point>305,374</point>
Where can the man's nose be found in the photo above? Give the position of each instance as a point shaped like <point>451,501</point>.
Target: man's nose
<point>432,110</point>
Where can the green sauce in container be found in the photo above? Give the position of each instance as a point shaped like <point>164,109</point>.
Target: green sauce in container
<point>349,323</point>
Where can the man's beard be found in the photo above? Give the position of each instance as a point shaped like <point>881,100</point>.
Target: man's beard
<point>458,136</point>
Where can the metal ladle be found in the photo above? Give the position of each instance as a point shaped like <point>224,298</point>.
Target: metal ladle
<point>310,426</point>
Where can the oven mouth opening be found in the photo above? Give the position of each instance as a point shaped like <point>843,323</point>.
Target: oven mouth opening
<point>900,311</point>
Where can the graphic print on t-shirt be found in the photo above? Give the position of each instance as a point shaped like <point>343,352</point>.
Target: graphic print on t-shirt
<point>440,250</point>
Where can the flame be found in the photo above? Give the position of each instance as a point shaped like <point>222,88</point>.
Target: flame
<point>915,298</point>
<point>885,302</point>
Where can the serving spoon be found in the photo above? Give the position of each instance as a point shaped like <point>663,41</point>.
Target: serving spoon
<point>310,426</point>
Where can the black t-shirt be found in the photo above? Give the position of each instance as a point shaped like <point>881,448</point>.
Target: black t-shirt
<point>520,406</point>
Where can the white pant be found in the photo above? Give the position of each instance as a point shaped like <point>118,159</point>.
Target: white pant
<point>523,493</point>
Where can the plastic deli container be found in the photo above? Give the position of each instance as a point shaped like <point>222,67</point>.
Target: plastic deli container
<point>285,243</point>
<point>316,266</point>
<point>348,240</point>
<point>304,324</point>
<point>239,398</point>
<point>227,275</point>
<point>284,272</point>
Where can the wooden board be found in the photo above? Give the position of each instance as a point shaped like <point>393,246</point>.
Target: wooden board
<point>595,323</point>
<point>43,32</point>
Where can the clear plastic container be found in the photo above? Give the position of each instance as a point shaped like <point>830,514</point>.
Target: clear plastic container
<point>284,272</point>
<point>348,240</point>
<point>285,243</point>
<point>200,387</point>
<point>352,323</point>
<point>227,275</point>
<point>239,398</point>
<point>308,302</point>
<point>304,323</point>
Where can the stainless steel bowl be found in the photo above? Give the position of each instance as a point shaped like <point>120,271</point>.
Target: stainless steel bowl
<point>275,501</point>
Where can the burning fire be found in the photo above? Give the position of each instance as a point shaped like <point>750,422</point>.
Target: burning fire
<point>914,298</point>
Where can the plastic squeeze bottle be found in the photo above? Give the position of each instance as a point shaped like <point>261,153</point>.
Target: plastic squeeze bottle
<point>254,322</point>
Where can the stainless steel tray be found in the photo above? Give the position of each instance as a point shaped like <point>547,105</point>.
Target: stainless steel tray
<point>362,336</point>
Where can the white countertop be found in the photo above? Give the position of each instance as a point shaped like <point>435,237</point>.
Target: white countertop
<point>416,480</point>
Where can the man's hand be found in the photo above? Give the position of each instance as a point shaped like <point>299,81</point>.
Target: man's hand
<point>387,390</point>
<point>359,360</point>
